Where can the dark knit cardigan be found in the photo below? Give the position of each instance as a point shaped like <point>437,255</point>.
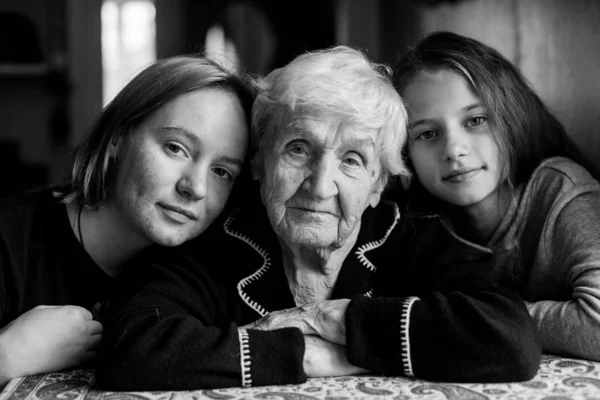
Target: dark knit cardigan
<point>423,305</point>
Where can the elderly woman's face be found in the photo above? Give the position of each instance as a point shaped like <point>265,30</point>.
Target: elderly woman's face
<point>317,177</point>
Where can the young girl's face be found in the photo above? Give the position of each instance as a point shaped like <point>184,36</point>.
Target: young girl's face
<point>179,167</point>
<point>450,140</point>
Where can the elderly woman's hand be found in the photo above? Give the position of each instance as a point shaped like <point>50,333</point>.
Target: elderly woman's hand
<point>325,319</point>
<point>323,358</point>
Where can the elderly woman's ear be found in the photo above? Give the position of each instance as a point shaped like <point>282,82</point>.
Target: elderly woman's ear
<point>375,195</point>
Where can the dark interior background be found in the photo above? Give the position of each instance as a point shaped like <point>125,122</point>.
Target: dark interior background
<point>51,60</point>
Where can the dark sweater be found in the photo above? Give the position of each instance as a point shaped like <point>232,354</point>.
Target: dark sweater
<point>41,260</point>
<point>423,304</point>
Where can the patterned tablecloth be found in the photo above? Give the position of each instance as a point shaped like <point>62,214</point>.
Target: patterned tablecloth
<point>557,379</point>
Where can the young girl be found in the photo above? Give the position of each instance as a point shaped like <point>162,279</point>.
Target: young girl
<point>488,156</point>
<point>156,168</point>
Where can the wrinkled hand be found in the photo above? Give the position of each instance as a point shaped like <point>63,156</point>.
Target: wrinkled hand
<point>47,339</point>
<point>323,358</point>
<point>325,319</point>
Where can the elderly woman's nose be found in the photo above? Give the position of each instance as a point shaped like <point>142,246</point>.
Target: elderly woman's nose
<point>321,181</point>
<point>193,184</point>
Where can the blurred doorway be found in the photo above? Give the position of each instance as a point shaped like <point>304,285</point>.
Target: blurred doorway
<point>128,42</point>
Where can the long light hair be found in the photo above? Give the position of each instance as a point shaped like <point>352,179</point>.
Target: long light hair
<point>93,166</point>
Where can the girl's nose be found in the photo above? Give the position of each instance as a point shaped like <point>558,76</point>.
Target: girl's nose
<point>193,184</point>
<point>456,145</point>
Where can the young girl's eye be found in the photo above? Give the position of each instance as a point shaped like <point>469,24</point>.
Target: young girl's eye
<point>223,173</point>
<point>427,135</point>
<point>174,148</point>
<point>476,121</point>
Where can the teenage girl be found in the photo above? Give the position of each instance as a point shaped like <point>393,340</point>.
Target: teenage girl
<point>491,155</point>
<point>490,158</point>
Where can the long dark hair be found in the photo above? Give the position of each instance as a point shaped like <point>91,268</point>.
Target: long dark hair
<point>526,132</point>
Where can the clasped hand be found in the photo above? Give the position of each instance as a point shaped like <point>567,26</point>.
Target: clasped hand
<point>325,319</point>
<point>324,328</point>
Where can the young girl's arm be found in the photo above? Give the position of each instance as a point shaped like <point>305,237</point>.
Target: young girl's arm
<point>484,335</point>
<point>168,330</point>
<point>569,324</point>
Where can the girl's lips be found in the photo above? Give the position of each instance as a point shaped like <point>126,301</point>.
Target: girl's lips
<point>179,212</point>
<point>461,176</point>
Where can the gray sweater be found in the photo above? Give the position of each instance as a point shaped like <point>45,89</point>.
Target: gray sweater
<point>554,223</point>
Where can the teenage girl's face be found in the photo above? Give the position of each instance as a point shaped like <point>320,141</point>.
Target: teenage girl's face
<point>178,167</point>
<point>450,142</point>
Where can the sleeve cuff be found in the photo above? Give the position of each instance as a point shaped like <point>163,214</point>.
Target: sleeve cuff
<point>271,357</point>
<point>377,334</point>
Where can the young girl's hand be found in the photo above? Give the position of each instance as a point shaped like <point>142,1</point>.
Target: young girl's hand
<point>323,358</point>
<point>47,339</point>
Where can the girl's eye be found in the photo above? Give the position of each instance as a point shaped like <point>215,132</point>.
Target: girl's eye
<point>427,135</point>
<point>223,173</point>
<point>476,121</point>
<point>174,148</point>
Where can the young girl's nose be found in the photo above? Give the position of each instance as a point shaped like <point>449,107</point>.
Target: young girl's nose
<point>456,145</point>
<point>194,184</point>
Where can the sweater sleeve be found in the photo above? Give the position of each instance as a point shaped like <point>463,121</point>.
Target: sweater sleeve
<point>572,245</point>
<point>479,336</point>
<point>167,331</point>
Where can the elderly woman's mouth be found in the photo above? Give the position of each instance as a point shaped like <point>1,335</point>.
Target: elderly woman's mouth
<point>312,212</point>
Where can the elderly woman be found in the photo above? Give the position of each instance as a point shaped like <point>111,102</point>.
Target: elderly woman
<point>310,247</point>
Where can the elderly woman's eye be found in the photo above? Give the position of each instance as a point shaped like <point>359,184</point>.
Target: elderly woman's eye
<point>297,148</point>
<point>353,160</point>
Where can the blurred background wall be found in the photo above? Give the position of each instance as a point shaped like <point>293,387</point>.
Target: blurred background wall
<point>61,61</point>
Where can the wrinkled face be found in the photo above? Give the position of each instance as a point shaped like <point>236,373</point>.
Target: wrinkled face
<point>450,139</point>
<point>178,167</point>
<point>317,177</point>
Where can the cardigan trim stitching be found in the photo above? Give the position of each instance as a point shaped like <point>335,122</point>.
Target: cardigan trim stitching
<point>404,335</point>
<point>256,275</point>
<point>267,260</point>
<point>377,243</point>
<point>245,361</point>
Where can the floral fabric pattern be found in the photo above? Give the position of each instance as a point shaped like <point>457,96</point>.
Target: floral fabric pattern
<point>557,378</point>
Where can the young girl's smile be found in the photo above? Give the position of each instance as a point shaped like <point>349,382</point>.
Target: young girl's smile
<point>451,145</point>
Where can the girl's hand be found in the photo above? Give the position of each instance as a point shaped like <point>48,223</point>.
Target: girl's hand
<point>323,358</point>
<point>48,339</point>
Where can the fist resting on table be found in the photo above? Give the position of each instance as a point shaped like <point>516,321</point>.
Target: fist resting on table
<point>47,339</point>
